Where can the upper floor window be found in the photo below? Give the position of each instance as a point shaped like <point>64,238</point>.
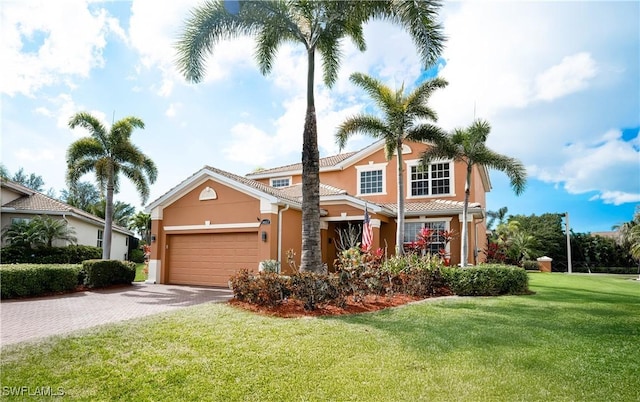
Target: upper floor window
<point>281,182</point>
<point>371,179</point>
<point>100,238</point>
<point>433,179</point>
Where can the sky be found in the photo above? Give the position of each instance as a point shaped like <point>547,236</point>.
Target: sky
<point>559,82</point>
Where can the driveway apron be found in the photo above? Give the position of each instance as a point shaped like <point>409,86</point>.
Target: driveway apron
<point>31,319</point>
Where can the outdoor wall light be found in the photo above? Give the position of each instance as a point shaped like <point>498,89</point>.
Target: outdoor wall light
<point>264,236</point>
<point>153,238</point>
<point>266,222</point>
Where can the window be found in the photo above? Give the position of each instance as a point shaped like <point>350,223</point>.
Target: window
<point>371,178</point>
<point>371,182</point>
<point>100,237</point>
<point>434,179</point>
<point>412,229</point>
<point>281,182</point>
<point>20,220</point>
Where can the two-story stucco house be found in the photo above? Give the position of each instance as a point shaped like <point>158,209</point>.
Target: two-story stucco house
<point>22,203</point>
<point>215,223</point>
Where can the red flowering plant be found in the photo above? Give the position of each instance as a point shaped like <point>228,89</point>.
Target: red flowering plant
<point>146,249</point>
<point>446,236</point>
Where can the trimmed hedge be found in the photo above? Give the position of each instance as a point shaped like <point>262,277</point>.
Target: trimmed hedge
<point>23,280</point>
<point>487,280</point>
<point>101,273</point>
<point>72,254</point>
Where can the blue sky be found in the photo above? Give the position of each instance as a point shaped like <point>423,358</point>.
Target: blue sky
<point>558,81</point>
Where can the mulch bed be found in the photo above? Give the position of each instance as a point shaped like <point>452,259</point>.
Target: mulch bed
<point>292,308</point>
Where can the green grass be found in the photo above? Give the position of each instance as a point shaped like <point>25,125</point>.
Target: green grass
<point>576,339</point>
<point>140,276</point>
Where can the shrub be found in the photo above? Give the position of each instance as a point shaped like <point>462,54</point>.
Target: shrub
<point>421,282</point>
<point>531,265</point>
<point>272,266</point>
<point>32,280</point>
<point>72,254</point>
<point>137,256</point>
<point>487,280</point>
<point>312,289</point>
<point>101,273</point>
<point>264,289</point>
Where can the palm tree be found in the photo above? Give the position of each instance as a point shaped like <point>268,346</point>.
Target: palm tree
<point>404,118</point>
<point>50,229</point>
<point>469,147</point>
<point>41,230</point>
<point>109,153</point>
<point>318,26</point>
<point>20,233</point>
<point>629,236</point>
<point>141,223</point>
<point>500,215</point>
<point>122,212</point>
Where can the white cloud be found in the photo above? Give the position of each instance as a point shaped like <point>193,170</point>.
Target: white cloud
<point>154,35</point>
<point>610,166</point>
<point>173,109</point>
<point>34,155</point>
<point>571,75</point>
<point>40,47</point>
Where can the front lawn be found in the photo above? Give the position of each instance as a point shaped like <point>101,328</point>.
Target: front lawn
<point>140,275</point>
<point>576,339</point>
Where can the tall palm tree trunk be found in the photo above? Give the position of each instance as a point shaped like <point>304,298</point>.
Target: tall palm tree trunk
<point>311,258</point>
<point>464,246</point>
<point>108,218</point>
<point>400,228</point>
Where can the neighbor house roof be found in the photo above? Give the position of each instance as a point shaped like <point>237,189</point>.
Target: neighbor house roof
<point>34,203</point>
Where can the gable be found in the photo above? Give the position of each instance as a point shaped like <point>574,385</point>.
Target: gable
<point>197,205</point>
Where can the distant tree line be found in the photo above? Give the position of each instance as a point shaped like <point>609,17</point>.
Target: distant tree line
<point>518,238</point>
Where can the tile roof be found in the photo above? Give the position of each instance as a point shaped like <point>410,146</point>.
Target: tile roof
<point>276,192</point>
<point>325,190</point>
<point>431,206</point>
<point>323,162</point>
<point>38,203</point>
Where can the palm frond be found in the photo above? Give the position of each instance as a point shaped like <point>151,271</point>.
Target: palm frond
<point>361,124</point>
<point>512,167</point>
<point>207,25</point>
<point>419,18</point>
<point>426,133</point>
<point>90,123</point>
<point>329,49</point>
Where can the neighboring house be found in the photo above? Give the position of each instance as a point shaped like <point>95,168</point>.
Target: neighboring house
<point>22,203</point>
<point>214,223</point>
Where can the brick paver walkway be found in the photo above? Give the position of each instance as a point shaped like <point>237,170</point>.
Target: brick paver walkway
<point>31,319</point>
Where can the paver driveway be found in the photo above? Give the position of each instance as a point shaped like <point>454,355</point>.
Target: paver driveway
<point>30,319</point>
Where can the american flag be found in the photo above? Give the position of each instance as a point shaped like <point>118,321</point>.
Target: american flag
<point>367,231</point>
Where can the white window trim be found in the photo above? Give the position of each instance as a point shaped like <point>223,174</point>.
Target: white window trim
<point>290,178</point>
<point>369,168</point>
<point>100,239</point>
<point>415,162</point>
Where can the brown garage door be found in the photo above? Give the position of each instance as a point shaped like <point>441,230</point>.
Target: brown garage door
<point>210,259</point>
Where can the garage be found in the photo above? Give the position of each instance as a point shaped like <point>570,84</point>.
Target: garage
<point>210,259</point>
